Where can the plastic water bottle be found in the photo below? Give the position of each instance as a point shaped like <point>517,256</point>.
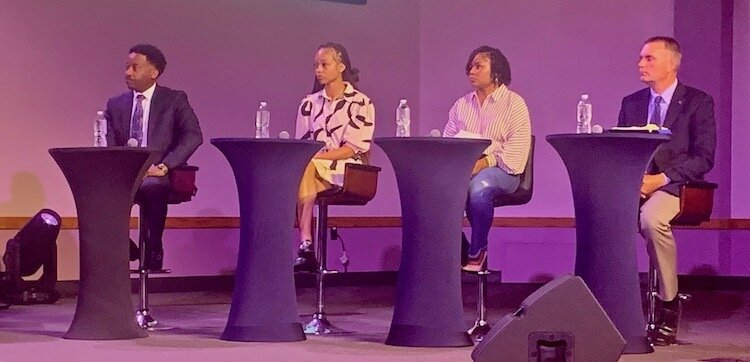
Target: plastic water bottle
<point>403,119</point>
<point>100,130</point>
<point>583,115</point>
<point>262,120</point>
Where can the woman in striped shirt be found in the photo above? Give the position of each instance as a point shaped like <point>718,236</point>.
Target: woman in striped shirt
<point>344,119</point>
<point>494,112</point>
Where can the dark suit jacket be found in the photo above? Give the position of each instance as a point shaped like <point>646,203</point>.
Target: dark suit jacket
<point>173,127</point>
<point>690,153</point>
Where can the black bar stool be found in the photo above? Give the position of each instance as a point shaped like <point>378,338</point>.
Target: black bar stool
<point>696,206</point>
<point>360,185</point>
<point>521,196</point>
<point>182,182</point>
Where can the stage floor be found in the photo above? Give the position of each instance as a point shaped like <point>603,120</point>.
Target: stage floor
<point>716,328</point>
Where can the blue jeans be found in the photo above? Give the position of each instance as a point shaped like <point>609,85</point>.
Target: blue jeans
<point>484,187</point>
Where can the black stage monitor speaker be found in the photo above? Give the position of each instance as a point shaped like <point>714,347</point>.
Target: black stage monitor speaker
<point>561,321</point>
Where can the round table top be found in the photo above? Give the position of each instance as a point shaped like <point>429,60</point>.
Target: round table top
<point>447,140</point>
<point>611,134</point>
<point>102,149</point>
<point>261,140</point>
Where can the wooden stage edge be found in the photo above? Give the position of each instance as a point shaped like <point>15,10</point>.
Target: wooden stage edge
<point>365,222</point>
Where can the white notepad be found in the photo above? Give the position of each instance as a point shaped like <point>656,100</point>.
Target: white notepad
<point>467,134</point>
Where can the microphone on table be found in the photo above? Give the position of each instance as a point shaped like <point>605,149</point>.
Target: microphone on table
<point>596,129</point>
<point>284,135</point>
<point>435,133</point>
<point>132,142</point>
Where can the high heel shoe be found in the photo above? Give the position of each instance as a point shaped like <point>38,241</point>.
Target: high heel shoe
<point>477,263</point>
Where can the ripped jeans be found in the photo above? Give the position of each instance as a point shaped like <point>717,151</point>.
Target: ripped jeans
<point>484,187</point>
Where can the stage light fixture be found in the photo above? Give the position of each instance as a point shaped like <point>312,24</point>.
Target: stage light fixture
<point>33,247</point>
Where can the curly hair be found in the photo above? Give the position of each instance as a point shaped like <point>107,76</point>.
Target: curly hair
<point>499,66</point>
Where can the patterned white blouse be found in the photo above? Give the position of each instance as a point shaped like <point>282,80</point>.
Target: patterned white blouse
<point>349,120</point>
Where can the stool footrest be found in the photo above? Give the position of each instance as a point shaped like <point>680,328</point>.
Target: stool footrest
<point>147,271</point>
<point>326,272</point>
<point>481,272</point>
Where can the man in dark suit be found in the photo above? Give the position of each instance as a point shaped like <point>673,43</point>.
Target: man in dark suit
<point>153,116</point>
<point>688,156</point>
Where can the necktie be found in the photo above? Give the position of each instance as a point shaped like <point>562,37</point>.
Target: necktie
<point>656,116</point>
<point>136,124</point>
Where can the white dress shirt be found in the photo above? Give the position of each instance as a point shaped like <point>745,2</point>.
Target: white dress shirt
<point>666,99</point>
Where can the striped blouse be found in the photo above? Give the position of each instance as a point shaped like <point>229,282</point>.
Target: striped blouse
<point>503,119</point>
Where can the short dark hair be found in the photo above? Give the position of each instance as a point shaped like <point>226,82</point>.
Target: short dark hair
<point>499,66</point>
<point>350,74</point>
<point>670,44</point>
<point>153,55</point>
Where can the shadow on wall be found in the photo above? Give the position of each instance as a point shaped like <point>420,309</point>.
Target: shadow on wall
<point>541,278</point>
<point>221,239</point>
<point>704,269</point>
<point>26,199</point>
<point>26,196</point>
<point>67,255</point>
<point>390,258</point>
<point>710,300</point>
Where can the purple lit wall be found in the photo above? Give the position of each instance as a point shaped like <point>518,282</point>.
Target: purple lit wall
<point>739,255</point>
<point>741,111</point>
<point>557,50</point>
<point>63,59</point>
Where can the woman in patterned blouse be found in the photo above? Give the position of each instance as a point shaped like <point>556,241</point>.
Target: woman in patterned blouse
<point>342,117</point>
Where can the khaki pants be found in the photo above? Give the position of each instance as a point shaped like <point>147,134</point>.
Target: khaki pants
<point>656,213</point>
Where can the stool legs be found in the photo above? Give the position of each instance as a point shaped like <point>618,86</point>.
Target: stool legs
<point>652,324</point>
<point>142,316</point>
<point>481,327</point>
<point>651,294</point>
<point>319,324</point>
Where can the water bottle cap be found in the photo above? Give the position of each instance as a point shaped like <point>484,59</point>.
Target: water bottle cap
<point>584,96</point>
<point>263,104</point>
<point>402,101</point>
<point>100,113</point>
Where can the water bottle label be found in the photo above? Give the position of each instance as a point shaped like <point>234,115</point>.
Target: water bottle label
<point>262,121</point>
<point>403,119</point>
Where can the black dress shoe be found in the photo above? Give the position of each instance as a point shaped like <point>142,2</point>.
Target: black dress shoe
<point>306,261</point>
<point>135,254</point>
<point>154,260</point>
<point>665,333</point>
